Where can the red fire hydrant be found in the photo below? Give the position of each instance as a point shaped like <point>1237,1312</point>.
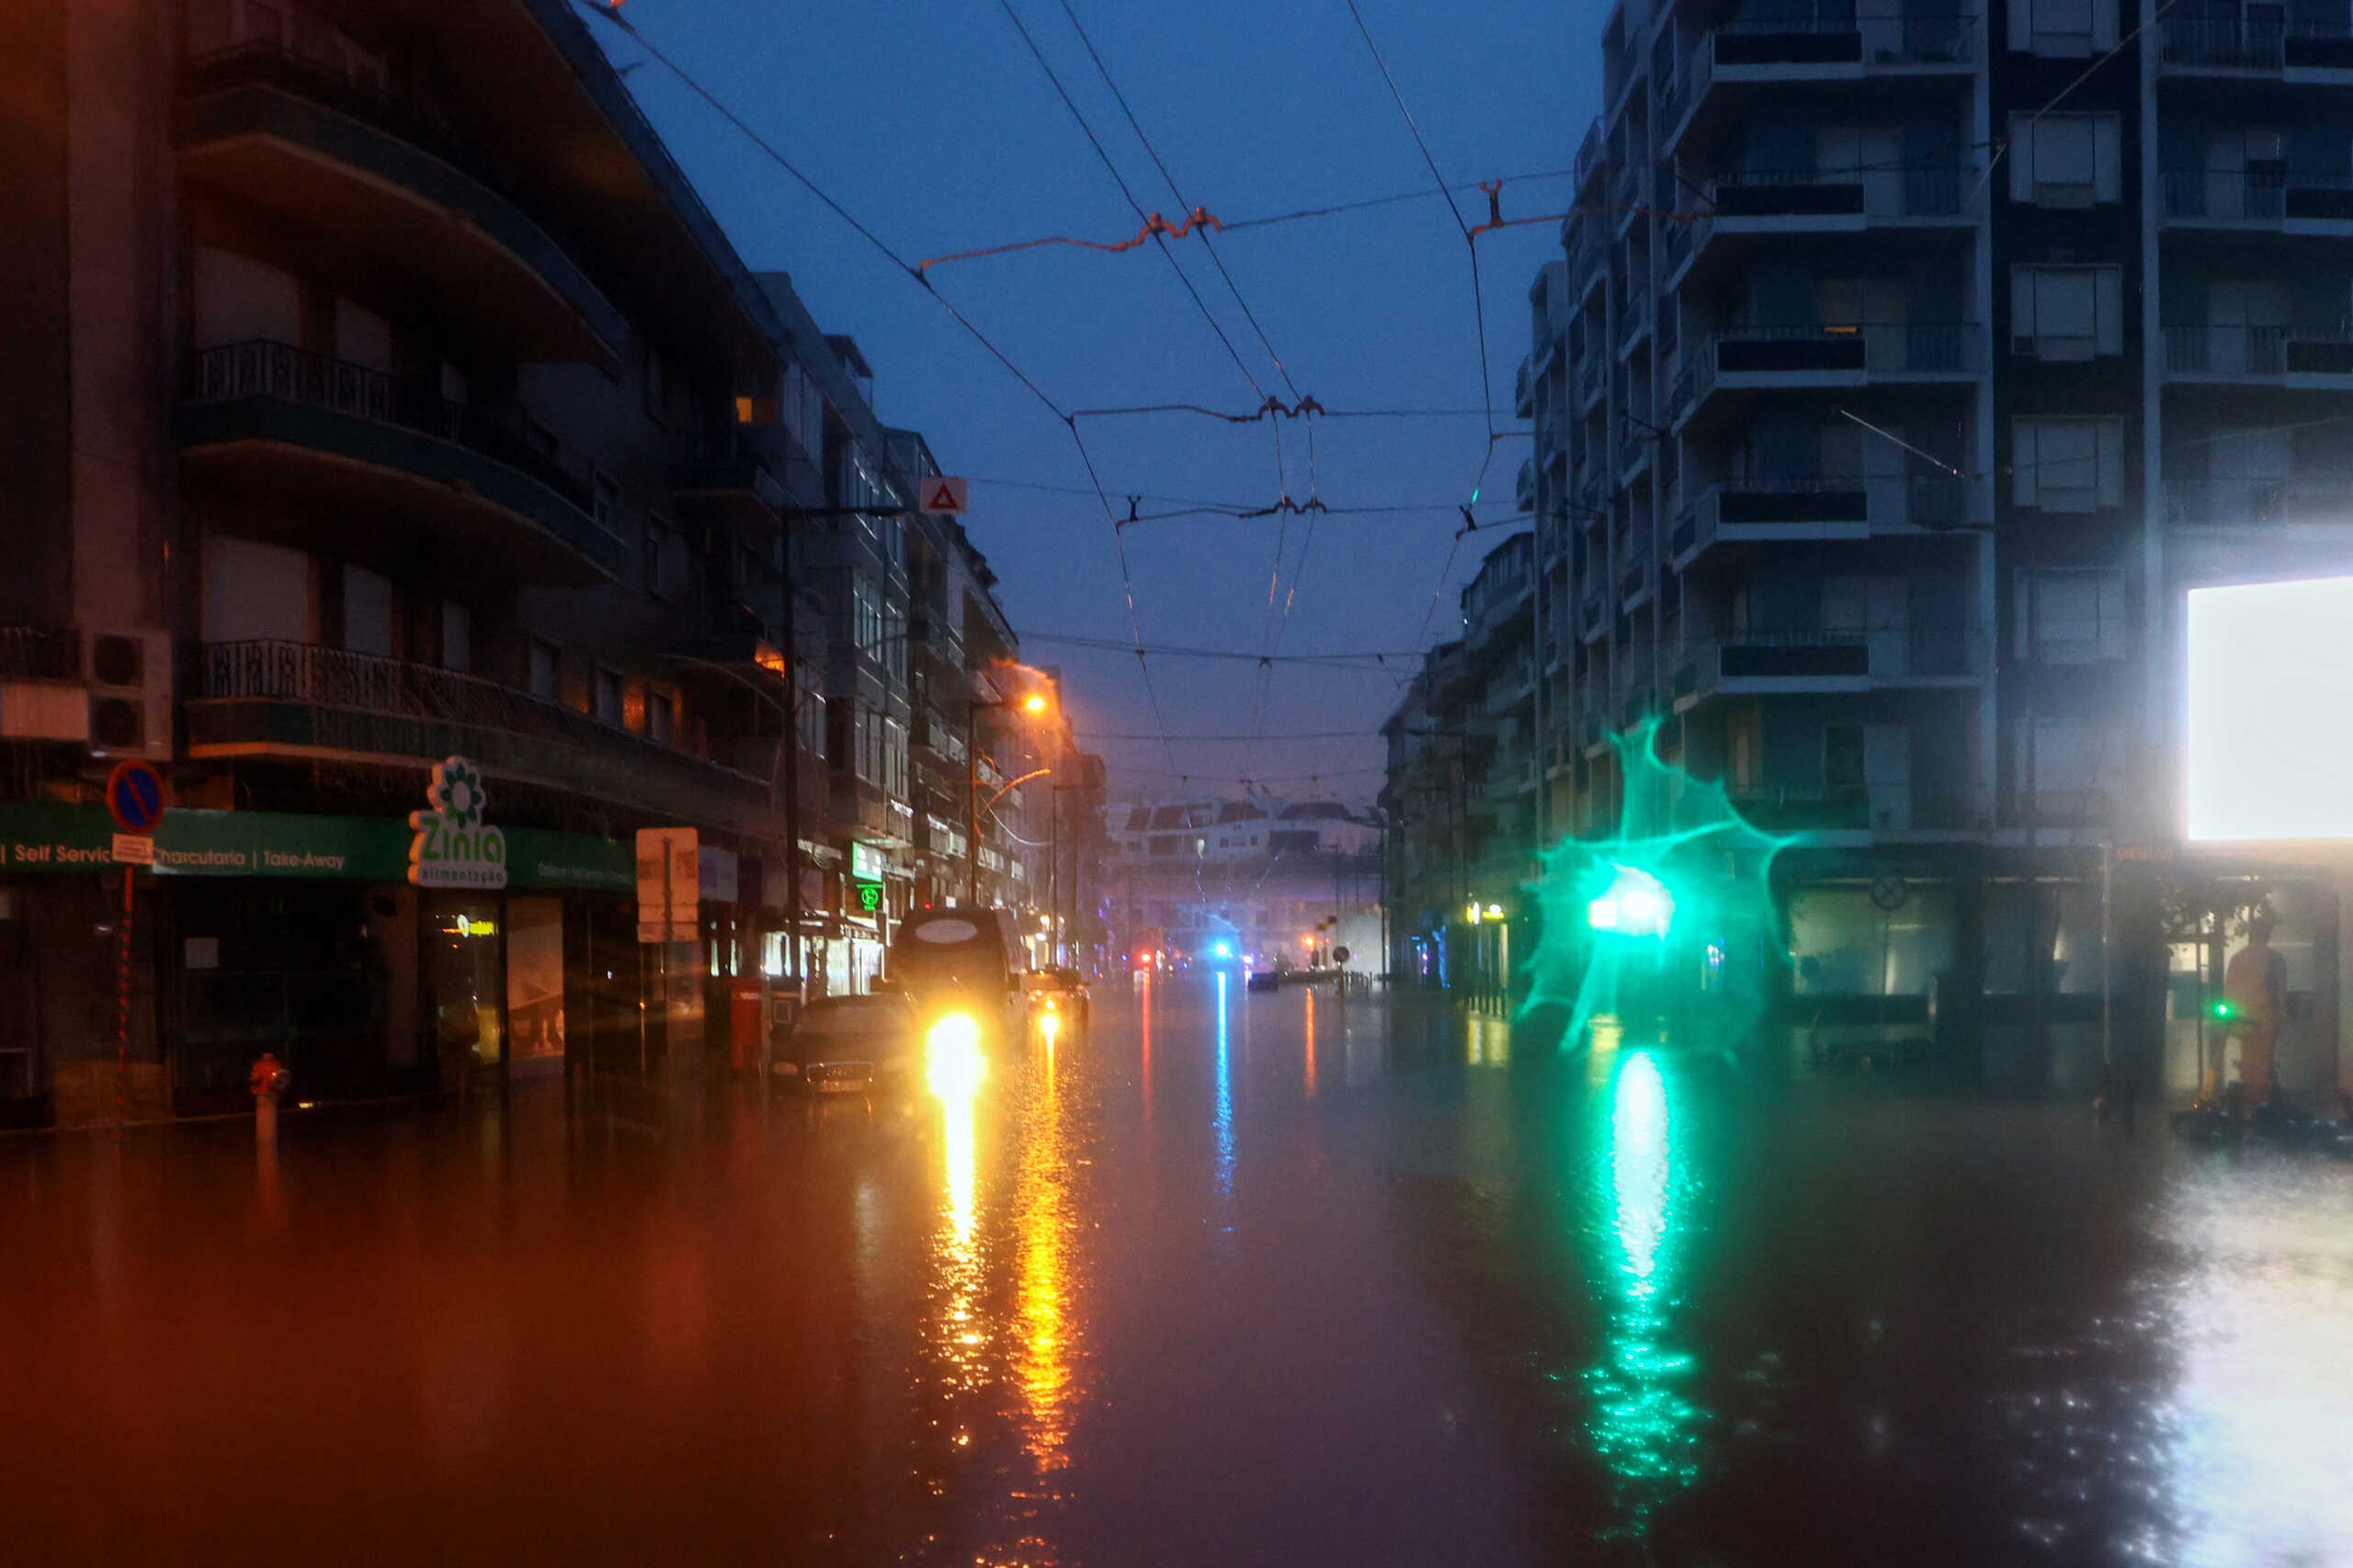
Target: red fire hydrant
<point>269,1080</point>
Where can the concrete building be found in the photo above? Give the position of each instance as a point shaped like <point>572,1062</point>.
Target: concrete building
<point>380,393</point>
<point>1886,404</point>
<point>1462,790</point>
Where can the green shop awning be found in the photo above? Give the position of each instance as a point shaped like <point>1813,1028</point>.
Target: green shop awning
<point>38,836</point>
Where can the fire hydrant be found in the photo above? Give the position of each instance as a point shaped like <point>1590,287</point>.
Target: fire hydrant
<point>269,1080</point>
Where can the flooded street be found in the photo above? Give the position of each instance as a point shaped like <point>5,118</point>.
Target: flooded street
<point>1274,1279</point>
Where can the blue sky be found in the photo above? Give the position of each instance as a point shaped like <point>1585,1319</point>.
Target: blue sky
<point>935,125</point>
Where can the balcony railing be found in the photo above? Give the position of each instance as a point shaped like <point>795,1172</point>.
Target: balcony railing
<point>1775,808</point>
<point>40,652</point>
<point>366,704</point>
<point>2236,43</point>
<point>2238,350</point>
<point>1876,349</point>
<point>1879,501</point>
<point>1880,39</point>
<point>2317,500</point>
<point>279,370</point>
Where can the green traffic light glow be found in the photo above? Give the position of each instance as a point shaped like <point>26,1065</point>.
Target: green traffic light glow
<point>2224,1009</point>
<point>1669,924</point>
<point>1635,903</point>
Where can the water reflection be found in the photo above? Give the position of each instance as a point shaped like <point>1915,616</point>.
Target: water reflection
<point>1044,1220</point>
<point>1309,1055</point>
<point>2263,1414</point>
<point>1642,1427</point>
<point>1223,1118</point>
<point>959,1334</point>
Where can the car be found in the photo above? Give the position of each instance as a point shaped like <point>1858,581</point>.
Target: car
<point>848,1044</point>
<point>1058,992</point>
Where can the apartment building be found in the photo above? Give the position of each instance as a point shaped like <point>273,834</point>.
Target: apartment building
<point>382,393</point>
<point>1464,783</point>
<point>1903,369</point>
<point>1266,879</point>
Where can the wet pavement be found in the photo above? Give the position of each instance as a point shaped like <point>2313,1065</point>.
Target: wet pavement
<point>1227,1280</point>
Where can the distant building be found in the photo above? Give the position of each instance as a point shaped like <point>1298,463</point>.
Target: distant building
<point>1278,881</point>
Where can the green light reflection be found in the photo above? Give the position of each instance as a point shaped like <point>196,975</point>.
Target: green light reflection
<point>1642,1426</point>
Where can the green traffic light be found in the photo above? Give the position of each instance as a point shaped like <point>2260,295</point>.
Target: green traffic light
<point>1635,903</point>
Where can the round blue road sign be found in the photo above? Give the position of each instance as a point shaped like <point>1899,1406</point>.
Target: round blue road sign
<point>135,796</point>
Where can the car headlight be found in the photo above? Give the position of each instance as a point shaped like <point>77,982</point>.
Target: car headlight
<point>952,1061</point>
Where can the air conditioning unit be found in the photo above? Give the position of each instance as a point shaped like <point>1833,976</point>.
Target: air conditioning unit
<point>130,693</point>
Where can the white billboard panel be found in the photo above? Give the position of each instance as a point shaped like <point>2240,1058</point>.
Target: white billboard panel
<point>2269,732</point>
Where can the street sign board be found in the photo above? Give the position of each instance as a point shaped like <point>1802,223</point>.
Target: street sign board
<point>135,799</point>
<point>943,495</point>
<point>669,871</point>
<point>133,849</point>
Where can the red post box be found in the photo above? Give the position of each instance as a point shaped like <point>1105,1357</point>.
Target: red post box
<point>748,1014</point>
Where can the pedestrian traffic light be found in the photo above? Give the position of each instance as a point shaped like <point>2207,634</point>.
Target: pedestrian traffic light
<point>1635,903</point>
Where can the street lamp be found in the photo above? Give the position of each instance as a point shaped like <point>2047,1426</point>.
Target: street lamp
<point>1033,704</point>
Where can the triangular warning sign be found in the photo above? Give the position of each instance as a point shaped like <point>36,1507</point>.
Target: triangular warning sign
<point>944,498</point>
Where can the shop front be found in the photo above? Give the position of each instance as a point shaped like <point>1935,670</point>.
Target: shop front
<point>298,935</point>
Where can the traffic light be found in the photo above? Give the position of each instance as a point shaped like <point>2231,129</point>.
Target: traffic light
<point>2222,1010</point>
<point>1635,903</point>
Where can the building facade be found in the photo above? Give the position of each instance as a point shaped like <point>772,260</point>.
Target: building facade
<point>1463,794</point>
<point>382,393</point>
<point>1903,371</point>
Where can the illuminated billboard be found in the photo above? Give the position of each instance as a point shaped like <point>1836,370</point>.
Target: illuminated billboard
<point>2268,740</point>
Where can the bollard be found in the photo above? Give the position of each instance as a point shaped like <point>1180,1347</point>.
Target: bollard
<point>269,1080</point>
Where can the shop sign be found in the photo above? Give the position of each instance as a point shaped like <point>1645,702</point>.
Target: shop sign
<point>669,881</point>
<point>867,863</point>
<point>454,847</point>
<point>38,836</point>
<point>869,897</point>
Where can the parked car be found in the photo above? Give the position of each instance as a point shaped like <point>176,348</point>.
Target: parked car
<point>848,1044</point>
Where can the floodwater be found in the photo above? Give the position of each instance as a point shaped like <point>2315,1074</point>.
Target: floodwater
<point>1228,1279</point>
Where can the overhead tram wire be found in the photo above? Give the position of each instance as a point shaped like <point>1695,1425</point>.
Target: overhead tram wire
<point>612,15</point>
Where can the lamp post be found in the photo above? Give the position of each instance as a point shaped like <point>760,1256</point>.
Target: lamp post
<point>1034,705</point>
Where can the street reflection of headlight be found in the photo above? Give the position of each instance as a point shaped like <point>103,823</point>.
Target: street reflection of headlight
<point>953,1065</point>
<point>1049,1027</point>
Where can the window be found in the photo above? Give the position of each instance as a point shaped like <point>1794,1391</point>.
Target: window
<point>2074,766</point>
<point>547,670</point>
<point>2063,30</point>
<point>804,410</point>
<point>656,386</point>
<point>866,616</point>
<point>811,724</point>
<point>2066,160</point>
<point>894,757</point>
<point>669,570</point>
<point>661,717</point>
<point>367,611</point>
<point>457,636</point>
<point>2071,617</point>
<point>2067,313</point>
<point>610,706</point>
<point>2067,465</point>
<point>607,499</point>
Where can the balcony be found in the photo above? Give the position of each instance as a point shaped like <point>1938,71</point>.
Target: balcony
<point>2321,504</point>
<point>2254,44</point>
<point>295,701</point>
<point>2265,196</point>
<point>291,430</point>
<point>1769,204</point>
<point>731,479</point>
<point>1593,619</point>
<point>1524,485</point>
<point>1718,79</point>
<point>2275,356</point>
<point>356,167</point>
<point>1770,359</point>
<point>1817,661</point>
<point>1814,508</point>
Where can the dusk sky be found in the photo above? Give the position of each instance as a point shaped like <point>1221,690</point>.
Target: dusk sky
<point>936,127</point>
